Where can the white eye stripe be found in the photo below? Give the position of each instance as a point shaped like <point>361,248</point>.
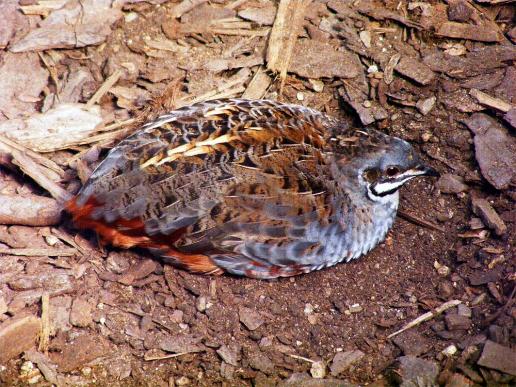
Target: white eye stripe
<point>381,188</point>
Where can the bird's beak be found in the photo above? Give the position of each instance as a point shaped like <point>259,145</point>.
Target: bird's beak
<point>423,170</point>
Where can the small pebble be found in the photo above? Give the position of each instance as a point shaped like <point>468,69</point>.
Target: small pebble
<point>130,16</point>
<point>26,368</point>
<point>450,350</point>
<point>372,69</point>
<point>365,37</point>
<point>367,103</point>
<point>182,381</point>
<point>318,370</point>
<point>300,96</point>
<point>201,304</point>
<point>355,308</point>
<point>317,85</point>
<point>51,240</point>
<point>309,309</point>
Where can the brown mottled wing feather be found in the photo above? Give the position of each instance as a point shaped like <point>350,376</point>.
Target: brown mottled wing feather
<point>219,180</point>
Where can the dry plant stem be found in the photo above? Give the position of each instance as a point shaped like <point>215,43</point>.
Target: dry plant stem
<point>185,6</point>
<point>108,84</point>
<point>164,357</point>
<point>427,316</point>
<point>62,252</point>
<point>44,336</point>
<point>8,145</point>
<point>419,221</point>
<point>37,173</point>
<point>302,358</point>
<point>29,210</point>
<point>487,100</point>
<point>240,32</point>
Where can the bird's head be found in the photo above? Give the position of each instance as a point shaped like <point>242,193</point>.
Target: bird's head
<point>380,163</point>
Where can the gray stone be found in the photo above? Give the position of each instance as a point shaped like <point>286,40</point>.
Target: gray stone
<point>250,318</point>
<point>412,371</point>
<point>498,357</point>
<point>181,343</point>
<point>261,362</point>
<point>487,213</point>
<point>456,322</point>
<point>301,379</point>
<point>230,354</point>
<point>450,183</point>
<point>343,360</point>
<point>494,150</point>
<point>412,343</point>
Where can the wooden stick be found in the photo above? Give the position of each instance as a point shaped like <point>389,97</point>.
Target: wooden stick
<point>427,316</point>
<point>62,252</point>
<point>240,32</point>
<point>283,36</point>
<point>44,336</point>
<point>108,84</point>
<point>8,145</point>
<point>164,357</point>
<point>37,173</point>
<point>419,221</point>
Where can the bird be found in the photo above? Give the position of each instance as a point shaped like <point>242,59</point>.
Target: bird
<point>254,188</point>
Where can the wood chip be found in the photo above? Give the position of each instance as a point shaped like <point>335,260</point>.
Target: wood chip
<point>287,25</point>
<point>469,31</point>
<point>493,102</point>
<point>29,210</point>
<point>258,85</point>
<point>59,128</point>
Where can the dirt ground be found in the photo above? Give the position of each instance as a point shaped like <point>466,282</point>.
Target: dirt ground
<point>438,74</point>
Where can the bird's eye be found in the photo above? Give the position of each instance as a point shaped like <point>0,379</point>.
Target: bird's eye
<point>371,175</point>
<point>392,171</point>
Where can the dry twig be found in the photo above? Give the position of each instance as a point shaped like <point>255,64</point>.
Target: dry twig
<point>108,84</point>
<point>419,221</point>
<point>164,357</point>
<point>62,252</point>
<point>427,316</point>
<point>44,336</point>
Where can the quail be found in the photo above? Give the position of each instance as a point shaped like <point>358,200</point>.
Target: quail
<point>254,188</point>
